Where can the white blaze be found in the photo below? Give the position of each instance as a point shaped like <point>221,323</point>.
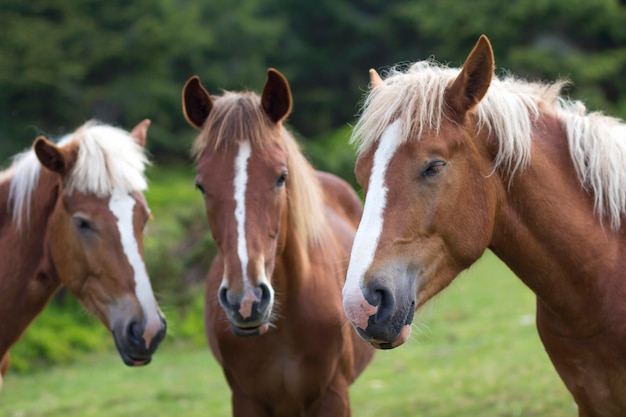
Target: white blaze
<point>241,182</point>
<point>371,225</point>
<point>121,205</point>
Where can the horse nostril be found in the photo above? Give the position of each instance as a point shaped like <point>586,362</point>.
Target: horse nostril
<point>266,298</point>
<point>134,333</point>
<point>222,296</point>
<point>376,298</point>
<point>381,297</point>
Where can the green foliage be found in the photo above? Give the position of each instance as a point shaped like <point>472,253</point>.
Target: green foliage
<point>332,153</point>
<point>579,40</point>
<point>178,243</point>
<point>66,61</point>
<point>61,333</point>
<point>64,333</point>
<point>188,323</point>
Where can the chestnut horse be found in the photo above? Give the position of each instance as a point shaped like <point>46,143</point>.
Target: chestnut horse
<point>73,214</point>
<point>273,312</point>
<point>455,161</point>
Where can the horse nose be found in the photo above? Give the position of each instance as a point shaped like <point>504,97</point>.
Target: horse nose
<point>248,305</point>
<point>138,339</point>
<point>390,324</point>
<point>135,336</point>
<point>248,311</point>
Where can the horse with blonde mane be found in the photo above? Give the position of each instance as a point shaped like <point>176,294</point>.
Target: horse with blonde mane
<point>73,214</point>
<point>455,161</point>
<point>273,312</point>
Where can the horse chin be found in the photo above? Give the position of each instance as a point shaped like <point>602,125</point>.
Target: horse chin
<point>130,361</point>
<point>402,337</point>
<point>250,331</point>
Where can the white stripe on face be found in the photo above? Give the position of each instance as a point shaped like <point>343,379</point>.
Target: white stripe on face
<point>121,205</point>
<point>371,225</point>
<point>241,182</point>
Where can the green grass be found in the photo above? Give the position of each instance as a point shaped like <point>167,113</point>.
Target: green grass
<point>475,352</point>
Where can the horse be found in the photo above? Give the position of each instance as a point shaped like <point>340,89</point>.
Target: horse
<point>273,313</point>
<point>456,161</point>
<point>72,214</point>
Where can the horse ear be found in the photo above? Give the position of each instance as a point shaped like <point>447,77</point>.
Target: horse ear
<point>276,98</point>
<point>375,78</point>
<point>139,132</point>
<point>472,83</point>
<point>197,103</point>
<point>51,156</point>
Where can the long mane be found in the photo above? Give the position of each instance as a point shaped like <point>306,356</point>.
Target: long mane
<point>416,97</point>
<point>108,158</point>
<point>237,116</point>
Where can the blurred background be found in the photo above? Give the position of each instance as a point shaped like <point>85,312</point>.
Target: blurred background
<point>65,61</point>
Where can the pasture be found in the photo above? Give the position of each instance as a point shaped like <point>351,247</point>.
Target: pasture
<point>475,352</point>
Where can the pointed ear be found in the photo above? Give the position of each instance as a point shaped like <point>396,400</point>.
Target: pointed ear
<point>197,103</point>
<point>472,83</point>
<point>139,132</point>
<point>276,97</point>
<point>375,78</point>
<point>51,156</point>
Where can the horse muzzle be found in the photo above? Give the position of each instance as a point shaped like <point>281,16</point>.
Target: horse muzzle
<point>134,347</point>
<point>381,315</point>
<point>248,312</point>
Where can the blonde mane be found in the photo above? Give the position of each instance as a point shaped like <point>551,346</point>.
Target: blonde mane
<point>236,116</point>
<point>108,158</point>
<point>416,97</point>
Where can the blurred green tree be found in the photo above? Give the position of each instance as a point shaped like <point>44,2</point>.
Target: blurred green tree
<point>579,40</point>
<point>62,62</point>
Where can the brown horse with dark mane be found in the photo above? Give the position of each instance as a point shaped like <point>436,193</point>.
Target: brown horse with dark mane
<point>274,318</point>
<point>455,161</point>
<point>73,214</point>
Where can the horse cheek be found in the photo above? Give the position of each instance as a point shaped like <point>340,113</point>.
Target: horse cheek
<point>65,253</point>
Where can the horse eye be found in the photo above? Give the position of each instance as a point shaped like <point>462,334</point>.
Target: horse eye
<point>433,168</point>
<point>82,224</point>
<point>200,188</point>
<point>281,179</point>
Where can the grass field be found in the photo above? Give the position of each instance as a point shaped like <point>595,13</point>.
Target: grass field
<point>474,352</point>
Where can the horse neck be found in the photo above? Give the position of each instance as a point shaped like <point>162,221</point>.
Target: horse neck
<point>547,233</point>
<point>28,281</point>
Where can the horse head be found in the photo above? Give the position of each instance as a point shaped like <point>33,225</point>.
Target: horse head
<point>94,236</point>
<point>419,167</point>
<point>243,174</point>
